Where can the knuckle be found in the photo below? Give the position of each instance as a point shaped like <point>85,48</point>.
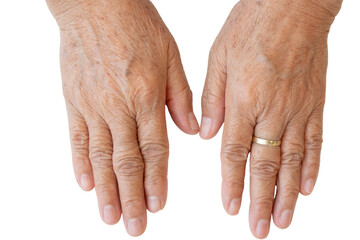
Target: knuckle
<point>210,98</point>
<point>313,164</point>
<point>144,84</point>
<point>314,142</point>
<point>100,157</point>
<point>104,190</point>
<point>128,165</point>
<point>147,88</point>
<point>181,92</point>
<point>264,202</point>
<point>244,100</point>
<point>292,159</point>
<point>148,101</point>
<point>79,139</point>
<point>80,158</point>
<point>132,202</point>
<point>155,180</point>
<point>155,152</point>
<point>264,168</point>
<point>235,154</point>
<point>234,182</point>
<point>290,192</point>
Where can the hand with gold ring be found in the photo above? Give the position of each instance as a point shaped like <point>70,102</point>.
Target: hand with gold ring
<point>266,83</point>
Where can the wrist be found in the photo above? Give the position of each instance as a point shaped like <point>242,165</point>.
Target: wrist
<point>63,7</point>
<point>70,13</point>
<point>332,7</point>
<point>313,18</point>
<point>66,12</point>
<point>324,11</point>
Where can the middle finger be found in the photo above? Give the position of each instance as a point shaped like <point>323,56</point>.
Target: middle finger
<point>129,170</point>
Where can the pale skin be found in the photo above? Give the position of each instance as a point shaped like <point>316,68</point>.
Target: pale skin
<point>266,77</point>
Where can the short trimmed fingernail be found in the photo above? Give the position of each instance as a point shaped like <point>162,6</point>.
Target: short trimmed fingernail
<point>85,182</point>
<point>309,186</point>
<point>193,122</point>
<point>234,206</point>
<point>109,214</point>
<point>285,218</point>
<point>153,204</point>
<point>134,227</point>
<point>262,228</point>
<point>206,127</point>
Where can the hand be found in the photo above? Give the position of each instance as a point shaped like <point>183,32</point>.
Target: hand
<point>120,67</point>
<point>266,78</point>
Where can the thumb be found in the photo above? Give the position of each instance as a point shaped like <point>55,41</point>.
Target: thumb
<point>178,94</point>
<point>213,98</point>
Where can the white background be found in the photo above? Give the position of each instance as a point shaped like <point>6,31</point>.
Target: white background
<point>39,197</point>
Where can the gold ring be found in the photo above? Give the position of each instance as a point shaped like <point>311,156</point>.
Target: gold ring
<point>266,142</point>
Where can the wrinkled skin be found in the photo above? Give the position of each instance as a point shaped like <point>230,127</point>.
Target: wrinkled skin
<point>266,77</point>
<point>120,66</point>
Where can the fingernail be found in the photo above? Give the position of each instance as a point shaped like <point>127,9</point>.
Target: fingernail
<point>193,122</point>
<point>134,227</point>
<point>309,186</point>
<point>262,228</point>
<point>109,214</point>
<point>285,218</point>
<point>153,204</point>
<point>85,182</point>
<point>206,127</point>
<point>234,206</point>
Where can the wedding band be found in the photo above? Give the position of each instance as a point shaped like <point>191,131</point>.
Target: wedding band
<point>266,142</point>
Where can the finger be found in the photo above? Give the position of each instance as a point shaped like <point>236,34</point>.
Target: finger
<point>264,166</point>
<point>313,142</point>
<point>179,95</point>
<point>129,169</point>
<point>236,143</point>
<point>154,148</point>
<point>213,98</point>
<point>288,180</point>
<point>105,180</point>
<point>79,138</point>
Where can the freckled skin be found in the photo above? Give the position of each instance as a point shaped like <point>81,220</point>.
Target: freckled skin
<point>120,66</point>
<point>267,77</point>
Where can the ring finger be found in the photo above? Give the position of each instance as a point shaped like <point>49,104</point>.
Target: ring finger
<point>105,181</point>
<point>264,167</point>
